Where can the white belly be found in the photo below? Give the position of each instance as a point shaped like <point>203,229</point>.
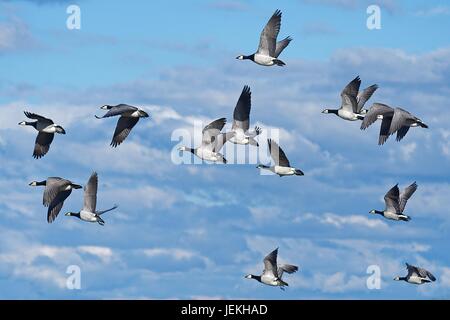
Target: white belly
<point>263,60</point>
<point>284,171</point>
<point>206,154</point>
<point>87,216</point>
<point>390,215</point>
<point>347,115</point>
<point>415,280</point>
<point>269,280</point>
<point>47,129</point>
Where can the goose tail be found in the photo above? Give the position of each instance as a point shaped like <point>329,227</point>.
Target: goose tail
<point>278,62</point>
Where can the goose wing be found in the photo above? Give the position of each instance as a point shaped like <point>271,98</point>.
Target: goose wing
<point>57,204</point>
<point>349,94</point>
<point>384,129</point>
<point>90,193</point>
<point>42,144</point>
<point>425,273</point>
<point>220,140</point>
<point>365,95</point>
<point>53,186</point>
<point>270,264</point>
<point>392,200</point>
<point>289,268</point>
<point>241,115</point>
<point>268,38</point>
<point>118,110</point>
<point>400,119</point>
<point>281,45</point>
<point>277,154</point>
<point>212,130</point>
<point>123,129</point>
<point>412,270</point>
<point>376,110</point>
<point>35,116</point>
<point>406,194</point>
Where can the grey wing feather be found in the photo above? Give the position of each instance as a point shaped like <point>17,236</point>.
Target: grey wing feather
<point>376,110</point>
<point>401,133</point>
<point>56,205</point>
<point>399,120</point>
<point>53,186</point>
<point>384,130</point>
<point>212,130</point>
<point>406,194</point>
<point>268,38</point>
<point>349,94</point>
<point>277,154</point>
<point>270,263</point>
<point>365,95</point>
<point>90,193</point>
<point>118,110</point>
<point>281,45</point>
<point>123,129</point>
<point>286,268</point>
<point>42,144</point>
<point>241,115</point>
<point>392,199</point>
<point>37,117</point>
<point>220,140</point>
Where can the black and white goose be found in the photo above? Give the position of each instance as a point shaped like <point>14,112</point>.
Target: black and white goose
<point>212,141</point>
<point>416,275</point>
<point>57,190</point>
<point>273,273</point>
<point>89,212</point>
<point>353,101</point>
<point>129,117</point>
<point>396,203</point>
<point>241,120</point>
<point>393,121</point>
<point>282,166</point>
<point>46,128</point>
<point>269,49</point>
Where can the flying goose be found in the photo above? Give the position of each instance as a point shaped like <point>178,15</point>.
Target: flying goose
<point>89,213</point>
<point>241,120</point>
<point>416,275</point>
<point>393,120</point>
<point>269,49</point>
<point>396,203</point>
<point>212,142</point>
<point>282,166</point>
<point>273,273</point>
<point>353,101</point>
<point>129,117</point>
<point>57,190</point>
<point>46,128</point>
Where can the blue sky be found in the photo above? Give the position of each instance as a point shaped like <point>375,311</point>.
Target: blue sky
<point>194,231</point>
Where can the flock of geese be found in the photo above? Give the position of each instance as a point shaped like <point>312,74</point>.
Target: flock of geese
<point>393,120</point>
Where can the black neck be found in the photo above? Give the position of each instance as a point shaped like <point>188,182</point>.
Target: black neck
<point>42,183</point>
<point>75,214</point>
<point>257,278</point>
<point>335,111</point>
<point>250,57</point>
<point>190,150</point>
<point>379,212</point>
<point>33,124</point>
<point>403,278</point>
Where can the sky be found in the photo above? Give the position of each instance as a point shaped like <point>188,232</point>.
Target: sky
<point>193,231</point>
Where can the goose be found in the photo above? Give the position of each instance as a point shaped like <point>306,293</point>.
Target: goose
<point>89,213</point>
<point>353,101</point>
<point>241,119</point>
<point>383,112</point>
<point>393,121</point>
<point>212,142</point>
<point>273,273</point>
<point>57,190</point>
<point>282,166</point>
<point>269,49</point>
<point>396,203</point>
<point>129,117</point>
<point>46,128</point>
<point>416,275</point>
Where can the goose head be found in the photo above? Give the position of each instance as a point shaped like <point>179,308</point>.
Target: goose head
<point>397,278</point>
<point>33,183</point>
<point>182,148</point>
<point>373,211</point>
<point>249,276</point>
<point>240,57</point>
<point>326,111</point>
<point>105,107</point>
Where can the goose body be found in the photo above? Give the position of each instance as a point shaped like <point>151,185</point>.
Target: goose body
<point>89,212</point>
<point>241,120</point>
<point>46,128</point>
<point>212,142</point>
<point>353,101</point>
<point>396,203</point>
<point>416,275</point>
<point>282,166</point>
<point>57,190</point>
<point>269,49</point>
<point>393,121</point>
<point>273,273</point>
<point>129,117</point>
